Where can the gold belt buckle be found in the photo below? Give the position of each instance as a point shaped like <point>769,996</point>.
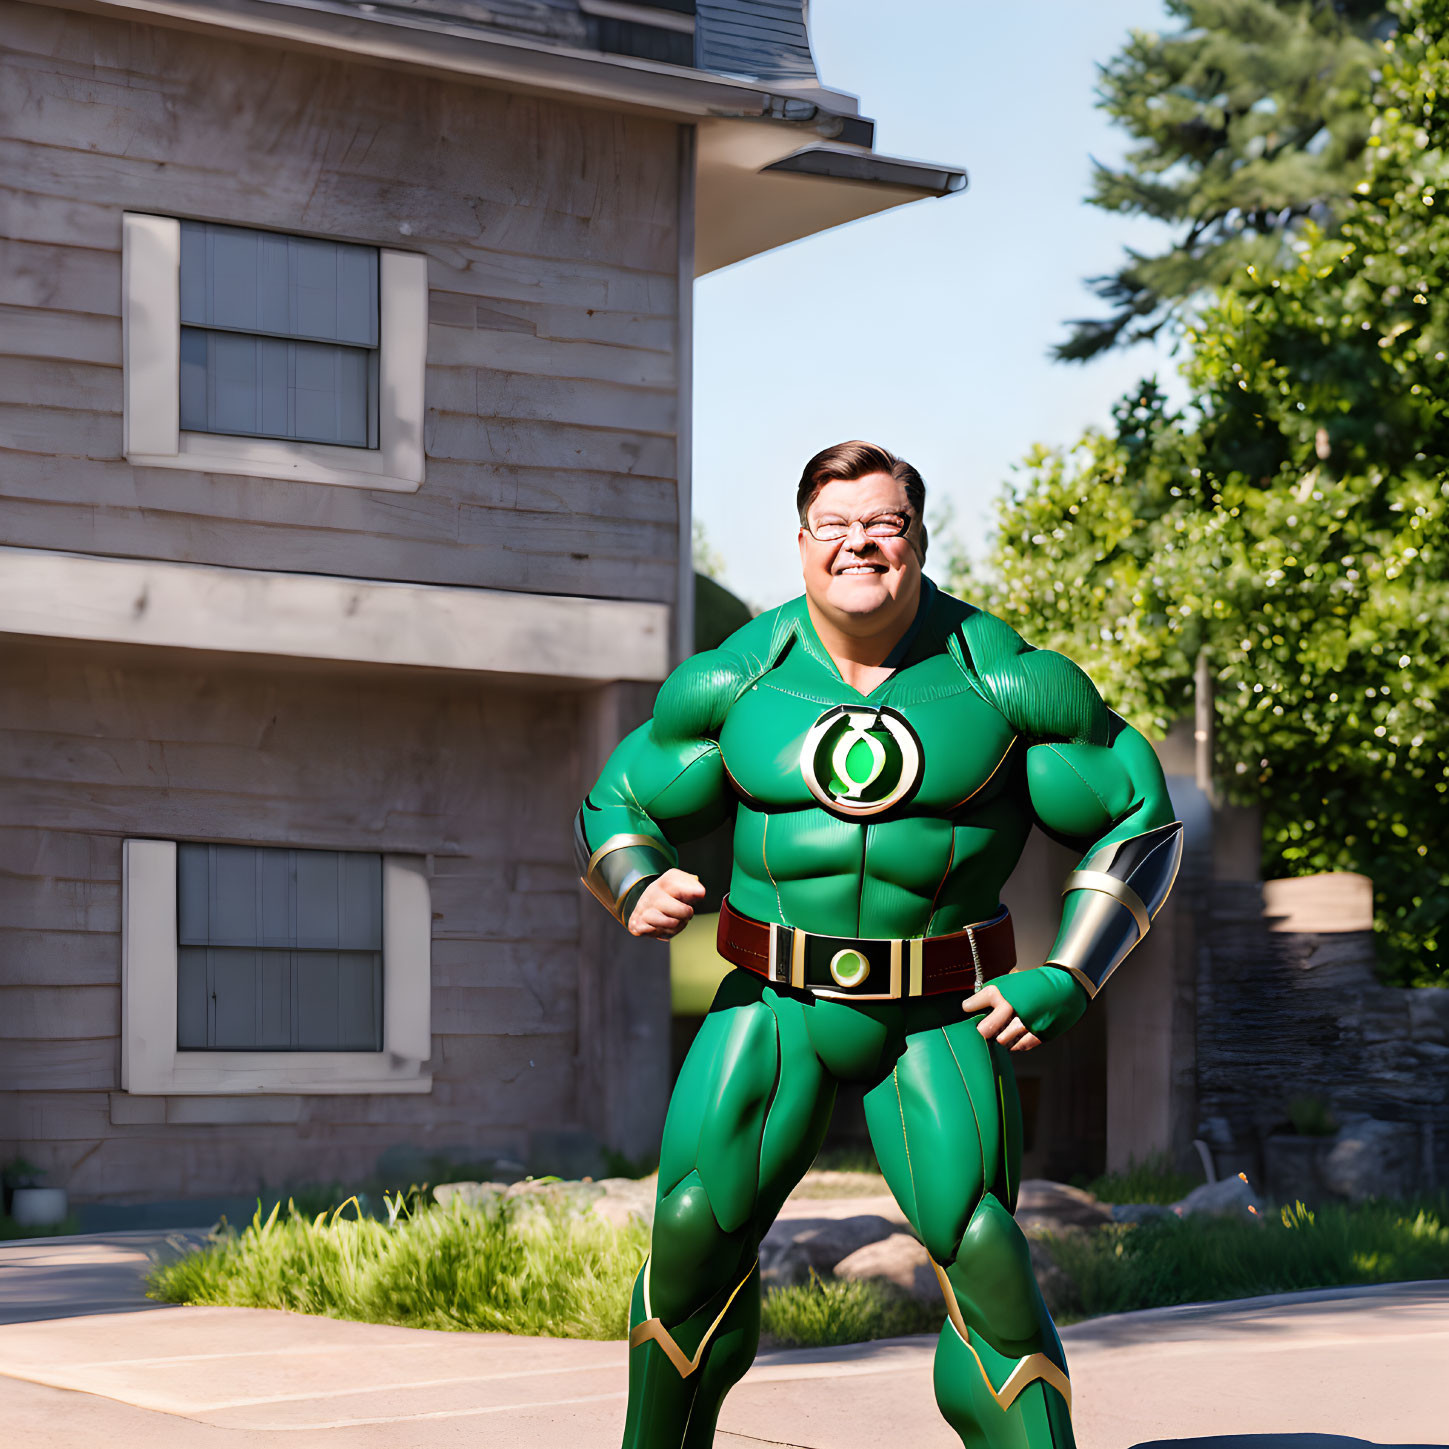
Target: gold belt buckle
<point>906,962</point>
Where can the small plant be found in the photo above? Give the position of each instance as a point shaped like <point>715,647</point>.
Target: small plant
<point>828,1311</point>
<point>20,1173</point>
<point>1154,1179</point>
<point>1311,1116</point>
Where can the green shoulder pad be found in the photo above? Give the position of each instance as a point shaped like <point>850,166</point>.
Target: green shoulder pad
<point>694,700</point>
<point>1042,693</point>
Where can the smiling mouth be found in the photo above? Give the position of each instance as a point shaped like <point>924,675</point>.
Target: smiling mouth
<point>861,568</point>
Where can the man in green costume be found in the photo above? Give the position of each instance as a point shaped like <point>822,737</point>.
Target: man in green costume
<point>884,750</point>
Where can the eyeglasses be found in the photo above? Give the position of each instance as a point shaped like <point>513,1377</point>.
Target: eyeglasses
<point>878,526</point>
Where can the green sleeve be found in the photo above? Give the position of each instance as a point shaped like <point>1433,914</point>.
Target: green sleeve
<point>1094,784</point>
<point>664,783</point>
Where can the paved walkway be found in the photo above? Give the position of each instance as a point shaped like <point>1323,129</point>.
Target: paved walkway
<point>1326,1370</point>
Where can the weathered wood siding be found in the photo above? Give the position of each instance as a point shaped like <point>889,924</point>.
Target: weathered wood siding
<point>100,743</point>
<point>550,233</point>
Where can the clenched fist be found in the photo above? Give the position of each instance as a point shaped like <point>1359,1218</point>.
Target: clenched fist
<point>665,908</point>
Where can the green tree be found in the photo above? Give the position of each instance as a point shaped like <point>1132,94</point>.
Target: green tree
<point>1292,523</point>
<point>1248,118</point>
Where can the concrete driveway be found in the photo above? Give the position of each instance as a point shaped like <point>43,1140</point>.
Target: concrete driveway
<point>1326,1370</point>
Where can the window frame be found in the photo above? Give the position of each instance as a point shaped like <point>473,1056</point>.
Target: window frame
<point>151,348</point>
<point>152,1064</point>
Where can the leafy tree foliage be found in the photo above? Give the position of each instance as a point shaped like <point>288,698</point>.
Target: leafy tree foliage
<point>1292,523</point>
<point>1249,118</point>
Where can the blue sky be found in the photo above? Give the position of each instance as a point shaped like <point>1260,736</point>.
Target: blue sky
<point>926,328</point>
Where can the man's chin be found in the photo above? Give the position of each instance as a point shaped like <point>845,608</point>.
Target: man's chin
<point>858,594</point>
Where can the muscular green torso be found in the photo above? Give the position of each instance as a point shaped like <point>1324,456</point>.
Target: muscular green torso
<point>1005,736</point>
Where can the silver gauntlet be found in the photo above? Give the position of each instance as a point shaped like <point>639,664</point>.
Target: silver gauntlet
<point>619,870</point>
<point>1112,899</point>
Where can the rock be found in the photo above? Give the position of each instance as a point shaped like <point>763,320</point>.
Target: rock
<point>626,1198</point>
<point>475,1194</point>
<point>1043,1206</point>
<point>794,1246</point>
<point>1230,1198</point>
<point>898,1259</point>
<point>1429,1014</point>
<point>1372,1158</point>
<point>1140,1212</point>
<point>1293,1167</point>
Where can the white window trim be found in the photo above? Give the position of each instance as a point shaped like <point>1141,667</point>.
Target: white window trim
<point>151,1065</point>
<point>151,332</point>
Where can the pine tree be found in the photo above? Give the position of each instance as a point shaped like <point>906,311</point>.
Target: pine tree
<point>1293,522</point>
<point>1249,118</point>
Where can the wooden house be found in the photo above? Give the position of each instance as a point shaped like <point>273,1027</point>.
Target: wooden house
<point>344,523</point>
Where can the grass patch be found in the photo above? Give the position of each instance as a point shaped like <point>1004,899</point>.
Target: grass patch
<point>1192,1260</point>
<point>507,1267</point>
<point>1152,1180</point>
<point>10,1229</point>
<point>829,1311</point>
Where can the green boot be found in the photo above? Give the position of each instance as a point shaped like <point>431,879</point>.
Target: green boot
<point>679,1374</point>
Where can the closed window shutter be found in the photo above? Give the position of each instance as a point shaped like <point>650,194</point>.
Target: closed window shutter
<point>278,950</point>
<point>279,336</point>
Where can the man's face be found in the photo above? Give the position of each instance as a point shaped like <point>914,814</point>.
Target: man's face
<point>854,579</point>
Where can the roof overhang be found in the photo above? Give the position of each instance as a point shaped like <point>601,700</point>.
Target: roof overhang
<point>773,165</point>
<point>759,188</point>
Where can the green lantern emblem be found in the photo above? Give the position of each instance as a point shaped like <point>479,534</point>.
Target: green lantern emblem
<point>859,760</point>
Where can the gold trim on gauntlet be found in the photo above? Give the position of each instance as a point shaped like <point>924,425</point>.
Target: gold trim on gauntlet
<point>619,868</point>
<point>1115,894</point>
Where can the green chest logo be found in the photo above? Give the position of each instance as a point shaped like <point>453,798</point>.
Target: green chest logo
<point>859,759</point>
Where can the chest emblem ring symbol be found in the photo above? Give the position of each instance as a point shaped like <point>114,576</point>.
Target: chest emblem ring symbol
<point>858,760</point>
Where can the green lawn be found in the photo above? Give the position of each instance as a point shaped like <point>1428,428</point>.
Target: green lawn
<point>1193,1260</point>
<point>534,1268</point>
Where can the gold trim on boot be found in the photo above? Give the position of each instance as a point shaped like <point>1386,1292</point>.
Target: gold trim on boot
<point>653,1328</point>
<point>1027,1371</point>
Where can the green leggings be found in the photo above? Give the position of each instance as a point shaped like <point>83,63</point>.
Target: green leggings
<point>746,1120</point>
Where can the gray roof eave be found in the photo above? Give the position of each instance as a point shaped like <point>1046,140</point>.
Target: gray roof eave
<point>871,169</point>
<point>439,45</point>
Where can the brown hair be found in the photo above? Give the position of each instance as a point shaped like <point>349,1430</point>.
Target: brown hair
<point>845,462</point>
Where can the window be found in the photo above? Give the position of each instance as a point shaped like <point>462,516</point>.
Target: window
<point>278,949</point>
<point>255,352</point>
<point>250,968</point>
<point>278,336</point>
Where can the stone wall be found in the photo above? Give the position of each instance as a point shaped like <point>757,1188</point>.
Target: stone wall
<point>1285,1015</point>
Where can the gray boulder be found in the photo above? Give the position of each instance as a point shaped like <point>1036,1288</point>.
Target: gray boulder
<point>626,1198</point>
<point>1372,1158</point>
<point>898,1259</point>
<point>795,1246</point>
<point>475,1194</point>
<point>1233,1197</point>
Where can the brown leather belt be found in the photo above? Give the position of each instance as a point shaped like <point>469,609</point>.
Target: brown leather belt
<point>869,968</point>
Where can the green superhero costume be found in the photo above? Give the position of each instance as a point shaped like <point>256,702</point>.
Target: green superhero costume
<point>877,822</point>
